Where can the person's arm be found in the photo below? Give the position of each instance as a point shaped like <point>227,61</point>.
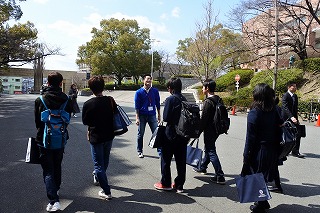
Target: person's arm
<point>137,106</point>
<point>157,100</point>
<point>207,109</point>
<point>250,136</point>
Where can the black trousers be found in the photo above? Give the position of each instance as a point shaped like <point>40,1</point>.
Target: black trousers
<point>178,149</point>
<point>296,148</point>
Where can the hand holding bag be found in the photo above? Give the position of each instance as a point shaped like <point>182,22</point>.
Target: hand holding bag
<point>194,154</point>
<point>158,136</point>
<point>252,188</point>
<point>33,152</point>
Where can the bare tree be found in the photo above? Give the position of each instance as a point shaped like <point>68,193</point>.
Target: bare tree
<point>256,19</point>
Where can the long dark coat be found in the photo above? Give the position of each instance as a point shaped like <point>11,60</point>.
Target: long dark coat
<point>263,142</point>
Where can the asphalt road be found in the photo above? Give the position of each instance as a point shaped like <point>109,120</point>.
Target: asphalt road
<point>131,178</point>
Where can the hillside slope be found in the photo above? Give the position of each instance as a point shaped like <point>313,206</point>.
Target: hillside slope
<point>311,87</point>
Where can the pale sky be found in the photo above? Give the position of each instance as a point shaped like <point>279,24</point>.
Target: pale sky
<point>67,23</point>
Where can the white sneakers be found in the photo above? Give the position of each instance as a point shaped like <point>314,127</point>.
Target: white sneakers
<point>140,155</point>
<point>53,208</point>
<point>104,196</point>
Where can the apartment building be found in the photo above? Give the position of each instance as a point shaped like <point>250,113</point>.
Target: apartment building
<point>11,84</point>
<point>298,35</point>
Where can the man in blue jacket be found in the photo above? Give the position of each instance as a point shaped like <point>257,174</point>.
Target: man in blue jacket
<point>147,105</point>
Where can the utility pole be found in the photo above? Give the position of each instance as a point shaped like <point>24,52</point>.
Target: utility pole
<point>276,43</point>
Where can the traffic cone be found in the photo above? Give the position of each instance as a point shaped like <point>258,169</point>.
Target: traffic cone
<point>233,112</point>
<point>318,121</point>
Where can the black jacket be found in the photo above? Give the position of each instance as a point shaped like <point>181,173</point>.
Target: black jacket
<point>97,114</point>
<point>171,114</point>
<point>54,98</point>
<point>289,108</point>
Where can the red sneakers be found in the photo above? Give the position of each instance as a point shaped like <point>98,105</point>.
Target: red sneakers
<point>159,186</point>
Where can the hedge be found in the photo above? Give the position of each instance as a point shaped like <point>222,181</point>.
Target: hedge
<point>227,83</point>
<point>309,64</point>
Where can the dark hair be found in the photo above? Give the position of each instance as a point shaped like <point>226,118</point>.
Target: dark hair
<point>96,84</point>
<point>145,75</point>
<point>210,84</point>
<point>175,84</point>
<point>72,85</point>
<point>291,83</point>
<point>263,97</point>
<point>55,79</point>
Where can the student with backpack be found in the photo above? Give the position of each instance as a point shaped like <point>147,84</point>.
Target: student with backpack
<point>52,109</point>
<point>175,145</point>
<point>214,121</point>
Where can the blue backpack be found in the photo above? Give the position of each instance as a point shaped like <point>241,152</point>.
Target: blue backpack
<point>55,133</point>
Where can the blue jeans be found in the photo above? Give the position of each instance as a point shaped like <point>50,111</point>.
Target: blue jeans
<point>210,154</point>
<point>153,123</point>
<point>51,165</point>
<point>100,155</point>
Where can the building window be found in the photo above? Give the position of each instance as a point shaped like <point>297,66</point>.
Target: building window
<point>17,87</point>
<point>17,80</point>
<point>5,87</point>
<point>5,80</point>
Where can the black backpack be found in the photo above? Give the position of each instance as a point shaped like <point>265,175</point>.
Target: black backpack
<point>189,122</point>
<point>221,120</point>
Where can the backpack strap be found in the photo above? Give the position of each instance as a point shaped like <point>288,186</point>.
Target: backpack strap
<point>63,106</point>
<point>41,98</point>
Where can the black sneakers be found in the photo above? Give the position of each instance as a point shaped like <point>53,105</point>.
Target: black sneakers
<point>218,179</point>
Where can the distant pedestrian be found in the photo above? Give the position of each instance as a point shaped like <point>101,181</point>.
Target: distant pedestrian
<point>73,94</point>
<point>176,145</point>
<point>262,144</point>
<point>210,135</point>
<point>290,112</point>
<point>147,105</point>
<point>51,159</point>
<point>97,114</point>
<point>291,61</point>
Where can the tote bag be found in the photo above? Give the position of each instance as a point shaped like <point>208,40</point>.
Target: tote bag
<point>33,152</point>
<point>252,188</point>
<point>194,154</point>
<point>158,137</point>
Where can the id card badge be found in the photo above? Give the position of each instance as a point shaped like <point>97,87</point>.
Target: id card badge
<point>150,108</point>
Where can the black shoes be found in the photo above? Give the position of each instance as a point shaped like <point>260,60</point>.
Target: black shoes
<point>298,155</point>
<point>218,179</point>
<point>259,207</point>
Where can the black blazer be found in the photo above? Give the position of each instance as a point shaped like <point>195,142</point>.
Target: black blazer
<point>289,107</point>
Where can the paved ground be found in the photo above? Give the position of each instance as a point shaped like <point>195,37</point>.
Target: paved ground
<point>132,179</point>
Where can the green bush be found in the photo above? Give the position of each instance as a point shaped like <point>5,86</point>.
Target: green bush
<point>227,83</point>
<point>309,64</point>
<point>284,76</point>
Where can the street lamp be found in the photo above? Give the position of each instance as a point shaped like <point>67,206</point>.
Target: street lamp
<point>152,40</point>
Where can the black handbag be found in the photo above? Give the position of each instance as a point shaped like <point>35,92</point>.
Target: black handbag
<point>302,130</point>
<point>33,152</point>
<point>289,137</point>
<point>158,137</point>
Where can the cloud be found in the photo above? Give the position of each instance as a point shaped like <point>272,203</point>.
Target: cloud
<point>176,12</point>
<point>164,16</point>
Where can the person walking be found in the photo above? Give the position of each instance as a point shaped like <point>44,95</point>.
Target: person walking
<point>97,114</point>
<point>262,139</point>
<point>147,104</point>
<point>209,134</point>
<point>290,112</point>
<point>51,159</point>
<point>73,94</point>
<point>176,145</point>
